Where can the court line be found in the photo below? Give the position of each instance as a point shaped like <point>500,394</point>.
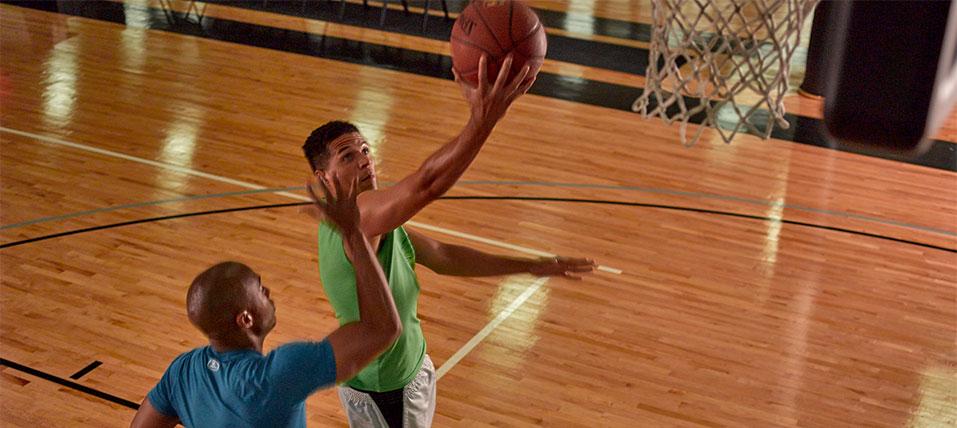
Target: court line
<point>459,354</point>
<point>492,198</point>
<point>84,371</point>
<point>145,204</point>
<point>441,371</point>
<point>144,220</point>
<point>715,196</point>
<point>214,177</point>
<point>500,244</point>
<point>484,332</point>
<point>803,130</point>
<point>653,190</point>
<point>70,384</point>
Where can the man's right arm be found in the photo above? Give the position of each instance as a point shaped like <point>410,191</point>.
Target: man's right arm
<point>385,209</point>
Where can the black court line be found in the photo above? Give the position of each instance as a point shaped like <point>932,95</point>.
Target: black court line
<point>803,130</point>
<point>497,198</point>
<point>145,220</point>
<point>70,384</point>
<point>132,405</point>
<point>704,211</point>
<point>83,372</point>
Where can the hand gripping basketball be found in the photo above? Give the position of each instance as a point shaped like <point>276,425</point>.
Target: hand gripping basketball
<point>489,104</point>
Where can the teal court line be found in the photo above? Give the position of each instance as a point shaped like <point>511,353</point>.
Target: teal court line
<point>145,204</point>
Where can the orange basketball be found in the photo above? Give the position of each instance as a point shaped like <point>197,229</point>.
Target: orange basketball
<point>497,28</point>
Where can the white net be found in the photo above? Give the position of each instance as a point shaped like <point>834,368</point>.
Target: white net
<point>722,63</point>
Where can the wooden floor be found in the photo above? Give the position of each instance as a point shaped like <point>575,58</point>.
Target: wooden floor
<point>828,298</point>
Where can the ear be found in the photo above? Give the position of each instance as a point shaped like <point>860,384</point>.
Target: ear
<point>244,319</point>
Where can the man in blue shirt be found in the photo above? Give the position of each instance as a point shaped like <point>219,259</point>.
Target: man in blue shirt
<point>230,382</point>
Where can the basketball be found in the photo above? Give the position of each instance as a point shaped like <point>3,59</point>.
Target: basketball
<point>497,28</point>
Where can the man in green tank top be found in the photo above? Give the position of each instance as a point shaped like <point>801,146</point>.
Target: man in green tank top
<point>398,388</point>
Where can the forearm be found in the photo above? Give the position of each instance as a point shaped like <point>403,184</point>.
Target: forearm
<point>443,168</point>
<point>376,307</point>
<point>457,260</point>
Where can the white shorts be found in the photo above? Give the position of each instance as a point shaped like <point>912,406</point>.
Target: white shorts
<point>418,404</point>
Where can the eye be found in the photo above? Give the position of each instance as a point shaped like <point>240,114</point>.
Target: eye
<point>365,150</point>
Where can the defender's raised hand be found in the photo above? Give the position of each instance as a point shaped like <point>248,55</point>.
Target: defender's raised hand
<point>339,206</point>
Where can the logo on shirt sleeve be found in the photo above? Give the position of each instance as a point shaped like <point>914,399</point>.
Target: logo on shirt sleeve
<point>212,365</point>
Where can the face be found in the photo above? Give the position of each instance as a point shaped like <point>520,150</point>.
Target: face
<point>350,157</point>
<point>261,306</point>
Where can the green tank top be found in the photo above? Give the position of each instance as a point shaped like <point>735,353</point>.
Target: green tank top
<point>399,364</point>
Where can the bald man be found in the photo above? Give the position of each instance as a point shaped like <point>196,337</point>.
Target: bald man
<point>230,382</point>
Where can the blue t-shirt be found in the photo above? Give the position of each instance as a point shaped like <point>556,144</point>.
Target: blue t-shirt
<point>204,388</point>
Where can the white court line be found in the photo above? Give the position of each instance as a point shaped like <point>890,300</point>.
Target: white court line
<point>482,334</point>
<point>239,183</point>
<point>451,362</point>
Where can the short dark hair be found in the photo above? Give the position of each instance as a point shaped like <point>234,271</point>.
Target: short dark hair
<point>316,147</point>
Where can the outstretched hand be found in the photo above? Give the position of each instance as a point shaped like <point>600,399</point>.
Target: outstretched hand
<point>563,266</point>
<point>489,104</point>
<point>339,206</point>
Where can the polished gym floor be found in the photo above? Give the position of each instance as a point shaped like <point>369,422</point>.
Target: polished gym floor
<point>757,283</point>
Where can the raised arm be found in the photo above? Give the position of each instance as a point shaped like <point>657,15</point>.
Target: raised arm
<point>385,209</point>
<point>356,344</point>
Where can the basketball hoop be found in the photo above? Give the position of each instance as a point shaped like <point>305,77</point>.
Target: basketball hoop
<point>722,63</point>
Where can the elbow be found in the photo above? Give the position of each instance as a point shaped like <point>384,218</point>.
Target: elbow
<point>435,190</point>
<point>386,333</point>
<point>394,331</point>
<point>431,186</point>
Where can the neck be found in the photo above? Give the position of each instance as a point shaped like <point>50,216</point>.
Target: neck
<point>221,345</point>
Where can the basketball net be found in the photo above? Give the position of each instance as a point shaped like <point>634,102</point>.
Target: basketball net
<point>722,63</point>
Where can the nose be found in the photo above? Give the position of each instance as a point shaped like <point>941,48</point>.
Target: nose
<point>266,290</point>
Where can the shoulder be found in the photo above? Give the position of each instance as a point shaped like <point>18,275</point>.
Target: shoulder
<point>306,364</point>
<point>174,378</point>
<point>292,351</point>
<point>188,358</point>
